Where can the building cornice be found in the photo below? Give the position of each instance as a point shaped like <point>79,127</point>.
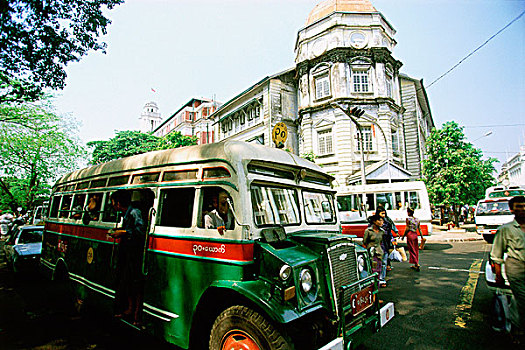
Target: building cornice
<point>346,54</point>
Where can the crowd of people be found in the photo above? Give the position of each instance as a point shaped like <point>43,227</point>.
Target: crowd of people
<point>380,238</point>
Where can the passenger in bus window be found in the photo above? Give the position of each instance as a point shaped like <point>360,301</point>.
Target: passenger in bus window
<point>92,208</point>
<point>220,218</point>
<point>129,268</point>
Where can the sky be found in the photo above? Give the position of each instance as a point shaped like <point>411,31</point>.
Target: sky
<point>218,48</point>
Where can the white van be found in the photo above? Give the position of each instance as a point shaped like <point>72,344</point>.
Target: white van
<point>491,214</point>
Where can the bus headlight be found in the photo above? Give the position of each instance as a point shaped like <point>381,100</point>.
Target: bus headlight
<point>285,272</point>
<point>361,266</point>
<point>306,281</point>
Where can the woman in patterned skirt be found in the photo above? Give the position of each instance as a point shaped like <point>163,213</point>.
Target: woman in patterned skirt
<point>411,230</point>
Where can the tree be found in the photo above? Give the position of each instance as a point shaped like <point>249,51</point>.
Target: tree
<point>454,171</point>
<point>39,38</point>
<point>129,143</point>
<point>34,154</point>
<point>176,139</point>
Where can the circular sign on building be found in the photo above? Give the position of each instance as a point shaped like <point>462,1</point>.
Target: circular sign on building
<point>279,134</point>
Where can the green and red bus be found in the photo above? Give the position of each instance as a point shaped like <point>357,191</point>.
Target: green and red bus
<point>283,277</point>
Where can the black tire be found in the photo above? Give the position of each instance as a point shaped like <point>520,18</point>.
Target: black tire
<point>489,238</point>
<point>242,323</point>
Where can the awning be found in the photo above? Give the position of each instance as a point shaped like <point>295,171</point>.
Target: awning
<point>381,172</point>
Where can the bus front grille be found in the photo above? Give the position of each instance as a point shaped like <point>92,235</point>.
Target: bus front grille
<point>343,268</point>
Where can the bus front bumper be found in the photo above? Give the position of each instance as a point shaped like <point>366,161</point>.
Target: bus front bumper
<point>367,328</point>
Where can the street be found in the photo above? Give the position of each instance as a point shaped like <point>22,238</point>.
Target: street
<point>428,306</point>
<point>430,303</point>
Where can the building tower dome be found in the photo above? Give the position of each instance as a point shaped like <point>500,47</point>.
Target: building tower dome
<point>150,117</point>
<point>328,7</point>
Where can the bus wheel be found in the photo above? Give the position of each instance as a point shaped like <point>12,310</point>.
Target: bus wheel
<point>239,327</point>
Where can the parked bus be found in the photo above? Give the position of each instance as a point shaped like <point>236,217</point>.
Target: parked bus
<point>490,214</point>
<point>283,277</point>
<point>394,197</point>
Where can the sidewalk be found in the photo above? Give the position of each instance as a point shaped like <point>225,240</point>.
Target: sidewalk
<point>441,234</point>
<point>464,233</point>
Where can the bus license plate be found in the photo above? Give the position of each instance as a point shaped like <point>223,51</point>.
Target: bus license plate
<point>362,300</point>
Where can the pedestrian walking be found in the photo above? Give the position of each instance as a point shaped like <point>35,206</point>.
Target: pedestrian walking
<point>372,240</point>
<point>390,230</point>
<point>411,230</point>
<point>510,239</point>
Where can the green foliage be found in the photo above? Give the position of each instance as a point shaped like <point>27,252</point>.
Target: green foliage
<point>129,143</point>
<point>454,170</point>
<point>176,139</point>
<point>34,150</point>
<point>39,38</point>
<point>309,156</point>
<point>124,144</point>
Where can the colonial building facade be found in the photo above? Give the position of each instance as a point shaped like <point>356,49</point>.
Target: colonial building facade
<point>513,170</point>
<point>251,115</point>
<point>343,58</point>
<point>192,119</point>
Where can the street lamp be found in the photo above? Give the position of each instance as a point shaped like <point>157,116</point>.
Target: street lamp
<point>488,133</point>
<point>359,113</point>
<point>354,113</point>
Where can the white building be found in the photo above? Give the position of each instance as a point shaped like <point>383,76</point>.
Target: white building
<point>344,55</point>
<point>150,117</point>
<point>513,170</point>
<point>251,115</point>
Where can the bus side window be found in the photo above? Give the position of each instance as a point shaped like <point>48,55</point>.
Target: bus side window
<point>384,200</point>
<point>399,201</point>
<point>55,205</point>
<point>65,206</point>
<point>92,208</point>
<point>210,201</point>
<point>78,206</point>
<point>109,214</point>
<point>370,203</point>
<point>176,207</point>
<point>414,200</point>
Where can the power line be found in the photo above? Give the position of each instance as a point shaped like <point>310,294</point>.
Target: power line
<point>479,47</point>
<point>492,126</point>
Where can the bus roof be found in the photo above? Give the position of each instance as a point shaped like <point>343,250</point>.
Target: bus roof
<point>229,151</point>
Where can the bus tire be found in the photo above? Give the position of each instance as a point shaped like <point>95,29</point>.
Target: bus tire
<point>241,326</point>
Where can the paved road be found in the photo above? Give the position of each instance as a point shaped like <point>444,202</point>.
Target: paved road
<point>426,310</point>
<point>430,303</point>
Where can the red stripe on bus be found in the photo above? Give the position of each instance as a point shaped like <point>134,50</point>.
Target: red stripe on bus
<point>216,250</point>
<point>99,234</point>
<point>359,229</point>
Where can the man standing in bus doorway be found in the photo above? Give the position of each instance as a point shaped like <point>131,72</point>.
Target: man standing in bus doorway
<point>510,239</point>
<point>131,249</point>
<point>220,218</point>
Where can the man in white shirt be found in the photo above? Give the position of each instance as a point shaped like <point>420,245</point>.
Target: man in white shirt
<point>220,218</point>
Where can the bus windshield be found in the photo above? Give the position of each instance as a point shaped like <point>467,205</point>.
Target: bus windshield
<point>493,208</point>
<point>275,206</point>
<point>318,207</point>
